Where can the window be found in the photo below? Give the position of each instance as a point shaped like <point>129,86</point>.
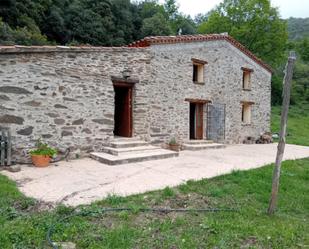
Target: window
<point>246,112</point>
<point>198,71</point>
<point>246,78</point>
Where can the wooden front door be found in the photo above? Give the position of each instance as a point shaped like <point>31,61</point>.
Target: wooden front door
<point>196,121</point>
<point>123,111</point>
<point>199,121</point>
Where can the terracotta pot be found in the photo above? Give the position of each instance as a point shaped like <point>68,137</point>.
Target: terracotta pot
<point>40,160</point>
<point>174,147</point>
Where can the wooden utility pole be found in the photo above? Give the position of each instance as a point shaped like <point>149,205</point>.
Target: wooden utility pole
<point>287,82</point>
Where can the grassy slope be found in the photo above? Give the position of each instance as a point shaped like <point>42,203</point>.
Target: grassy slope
<point>298,124</point>
<point>22,226</point>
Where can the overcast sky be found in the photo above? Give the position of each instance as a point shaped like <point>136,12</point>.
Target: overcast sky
<point>288,8</point>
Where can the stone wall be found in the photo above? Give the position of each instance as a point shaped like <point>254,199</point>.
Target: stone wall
<point>67,96</point>
<point>171,84</point>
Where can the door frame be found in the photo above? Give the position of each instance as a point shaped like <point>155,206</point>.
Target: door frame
<point>129,87</point>
<point>199,121</point>
<point>196,124</point>
<point>202,103</point>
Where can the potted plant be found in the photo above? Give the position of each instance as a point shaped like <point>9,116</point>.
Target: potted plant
<point>42,155</point>
<point>173,145</point>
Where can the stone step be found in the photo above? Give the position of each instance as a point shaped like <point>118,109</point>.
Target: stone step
<point>133,157</point>
<point>203,146</point>
<point>123,139</point>
<point>127,143</point>
<point>121,151</point>
<point>198,142</point>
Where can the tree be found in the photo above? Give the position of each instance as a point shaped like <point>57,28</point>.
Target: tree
<point>149,8</point>
<point>298,28</point>
<point>300,92</point>
<point>123,22</point>
<point>21,36</point>
<point>6,34</point>
<point>276,87</point>
<point>54,25</point>
<point>200,18</point>
<point>254,23</point>
<point>156,25</point>
<point>171,9</point>
<point>304,49</point>
<point>185,23</point>
<point>90,22</point>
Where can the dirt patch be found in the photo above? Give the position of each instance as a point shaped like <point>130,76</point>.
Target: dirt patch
<point>32,206</point>
<point>249,242</point>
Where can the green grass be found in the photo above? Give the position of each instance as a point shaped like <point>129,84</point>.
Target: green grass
<point>298,124</point>
<point>24,225</point>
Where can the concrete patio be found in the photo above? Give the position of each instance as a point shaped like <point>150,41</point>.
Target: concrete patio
<point>84,181</point>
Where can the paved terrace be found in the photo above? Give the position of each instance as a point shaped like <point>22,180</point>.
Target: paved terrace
<point>84,181</point>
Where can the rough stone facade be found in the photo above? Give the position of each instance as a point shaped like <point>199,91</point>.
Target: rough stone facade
<point>172,83</point>
<point>66,96</point>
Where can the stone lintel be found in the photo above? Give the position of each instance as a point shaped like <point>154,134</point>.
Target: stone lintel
<point>118,81</point>
<point>198,61</point>
<point>247,102</point>
<point>245,69</point>
<point>198,101</point>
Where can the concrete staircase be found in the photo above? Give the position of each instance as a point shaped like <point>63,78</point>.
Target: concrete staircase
<point>194,145</point>
<point>130,150</point>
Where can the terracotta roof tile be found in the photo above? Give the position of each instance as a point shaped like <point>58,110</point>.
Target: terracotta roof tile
<point>155,40</point>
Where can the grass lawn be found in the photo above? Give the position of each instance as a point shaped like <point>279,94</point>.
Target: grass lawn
<point>24,226</point>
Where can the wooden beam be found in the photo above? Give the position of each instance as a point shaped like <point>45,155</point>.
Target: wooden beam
<point>198,61</point>
<point>198,101</point>
<point>250,70</point>
<point>287,84</point>
<point>247,102</point>
<point>124,80</point>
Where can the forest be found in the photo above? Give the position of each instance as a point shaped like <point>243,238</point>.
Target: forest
<point>255,23</point>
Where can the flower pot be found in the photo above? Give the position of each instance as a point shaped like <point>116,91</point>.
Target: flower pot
<point>174,147</point>
<point>40,160</point>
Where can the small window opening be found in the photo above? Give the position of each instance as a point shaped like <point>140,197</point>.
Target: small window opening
<point>246,78</point>
<point>246,113</point>
<point>198,73</point>
<point>198,70</point>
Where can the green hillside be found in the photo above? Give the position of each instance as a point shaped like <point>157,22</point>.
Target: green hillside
<point>298,28</point>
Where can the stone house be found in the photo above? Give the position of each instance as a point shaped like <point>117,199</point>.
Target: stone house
<point>189,87</point>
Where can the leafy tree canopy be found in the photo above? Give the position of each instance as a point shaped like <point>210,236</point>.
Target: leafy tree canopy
<point>94,22</point>
<point>254,23</point>
<point>298,28</point>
